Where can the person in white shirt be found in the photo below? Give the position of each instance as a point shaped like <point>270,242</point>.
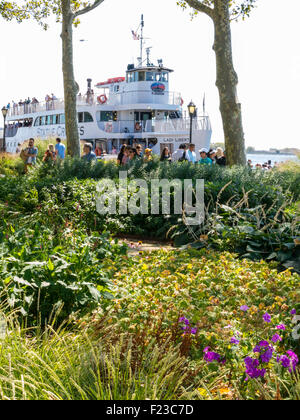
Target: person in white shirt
<point>178,154</point>
<point>191,155</point>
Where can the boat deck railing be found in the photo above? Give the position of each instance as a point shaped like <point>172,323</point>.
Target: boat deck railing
<point>120,98</point>
<point>155,126</point>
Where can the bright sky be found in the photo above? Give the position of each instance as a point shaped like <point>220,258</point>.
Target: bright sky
<point>266,57</point>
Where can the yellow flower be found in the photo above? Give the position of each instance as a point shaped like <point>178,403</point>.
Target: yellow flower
<point>224,391</point>
<point>202,392</point>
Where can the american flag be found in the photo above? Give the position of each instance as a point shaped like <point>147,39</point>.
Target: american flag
<point>136,37</point>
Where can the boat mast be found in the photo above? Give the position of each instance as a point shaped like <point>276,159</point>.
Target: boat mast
<point>142,40</point>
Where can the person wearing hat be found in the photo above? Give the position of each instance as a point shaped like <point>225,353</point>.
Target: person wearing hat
<point>148,155</point>
<point>204,159</point>
<point>212,155</point>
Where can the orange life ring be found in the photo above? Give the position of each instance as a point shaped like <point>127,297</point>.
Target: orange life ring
<point>138,126</point>
<point>102,99</point>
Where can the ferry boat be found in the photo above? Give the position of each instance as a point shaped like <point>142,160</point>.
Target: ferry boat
<point>139,108</point>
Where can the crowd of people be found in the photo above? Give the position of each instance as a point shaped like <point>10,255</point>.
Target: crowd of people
<point>29,153</point>
<point>185,152</point>
<point>127,154</point>
<point>28,105</point>
<point>11,128</point>
<point>264,166</point>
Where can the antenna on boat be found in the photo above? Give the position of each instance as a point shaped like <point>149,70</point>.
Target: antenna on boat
<point>148,56</point>
<point>142,39</point>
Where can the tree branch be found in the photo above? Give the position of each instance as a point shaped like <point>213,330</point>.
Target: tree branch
<point>88,8</point>
<point>197,5</point>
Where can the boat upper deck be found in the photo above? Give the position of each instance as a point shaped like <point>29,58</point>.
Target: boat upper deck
<point>124,99</point>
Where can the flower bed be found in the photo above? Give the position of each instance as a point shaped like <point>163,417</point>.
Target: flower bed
<point>233,319</point>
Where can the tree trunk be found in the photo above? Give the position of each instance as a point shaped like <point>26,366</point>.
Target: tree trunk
<point>226,83</point>
<point>70,86</point>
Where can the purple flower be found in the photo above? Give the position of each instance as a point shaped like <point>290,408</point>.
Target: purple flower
<point>275,338</point>
<point>193,330</point>
<point>234,340</point>
<point>263,343</point>
<point>186,321</point>
<point>244,308</point>
<point>267,317</point>
<point>293,312</point>
<point>267,356</point>
<point>265,351</point>
<point>210,356</point>
<point>251,368</point>
<point>182,319</point>
<point>281,327</point>
<point>294,359</point>
<point>184,327</point>
<point>289,361</point>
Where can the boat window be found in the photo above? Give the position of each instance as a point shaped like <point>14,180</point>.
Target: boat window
<point>43,120</point>
<point>130,77</point>
<point>80,117</point>
<point>49,120</point>
<point>37,121</point>
<point>61,118</point>
<point>106,116</point>
<point>165,76</point>
<point>150,76</point>
<point>141,76</point>
<point>136,76</point>
<point>162,77</point>
<point>55,119</point>
<point>88,117</point>
<point>116,88</point>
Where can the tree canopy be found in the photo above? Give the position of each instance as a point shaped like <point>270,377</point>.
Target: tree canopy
<point>238,8</point>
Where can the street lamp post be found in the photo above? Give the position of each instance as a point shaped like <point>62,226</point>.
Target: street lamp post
<point>4,113</point>
<point>192,110</point>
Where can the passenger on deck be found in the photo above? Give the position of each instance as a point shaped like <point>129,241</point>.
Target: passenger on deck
<point>47,100</point>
